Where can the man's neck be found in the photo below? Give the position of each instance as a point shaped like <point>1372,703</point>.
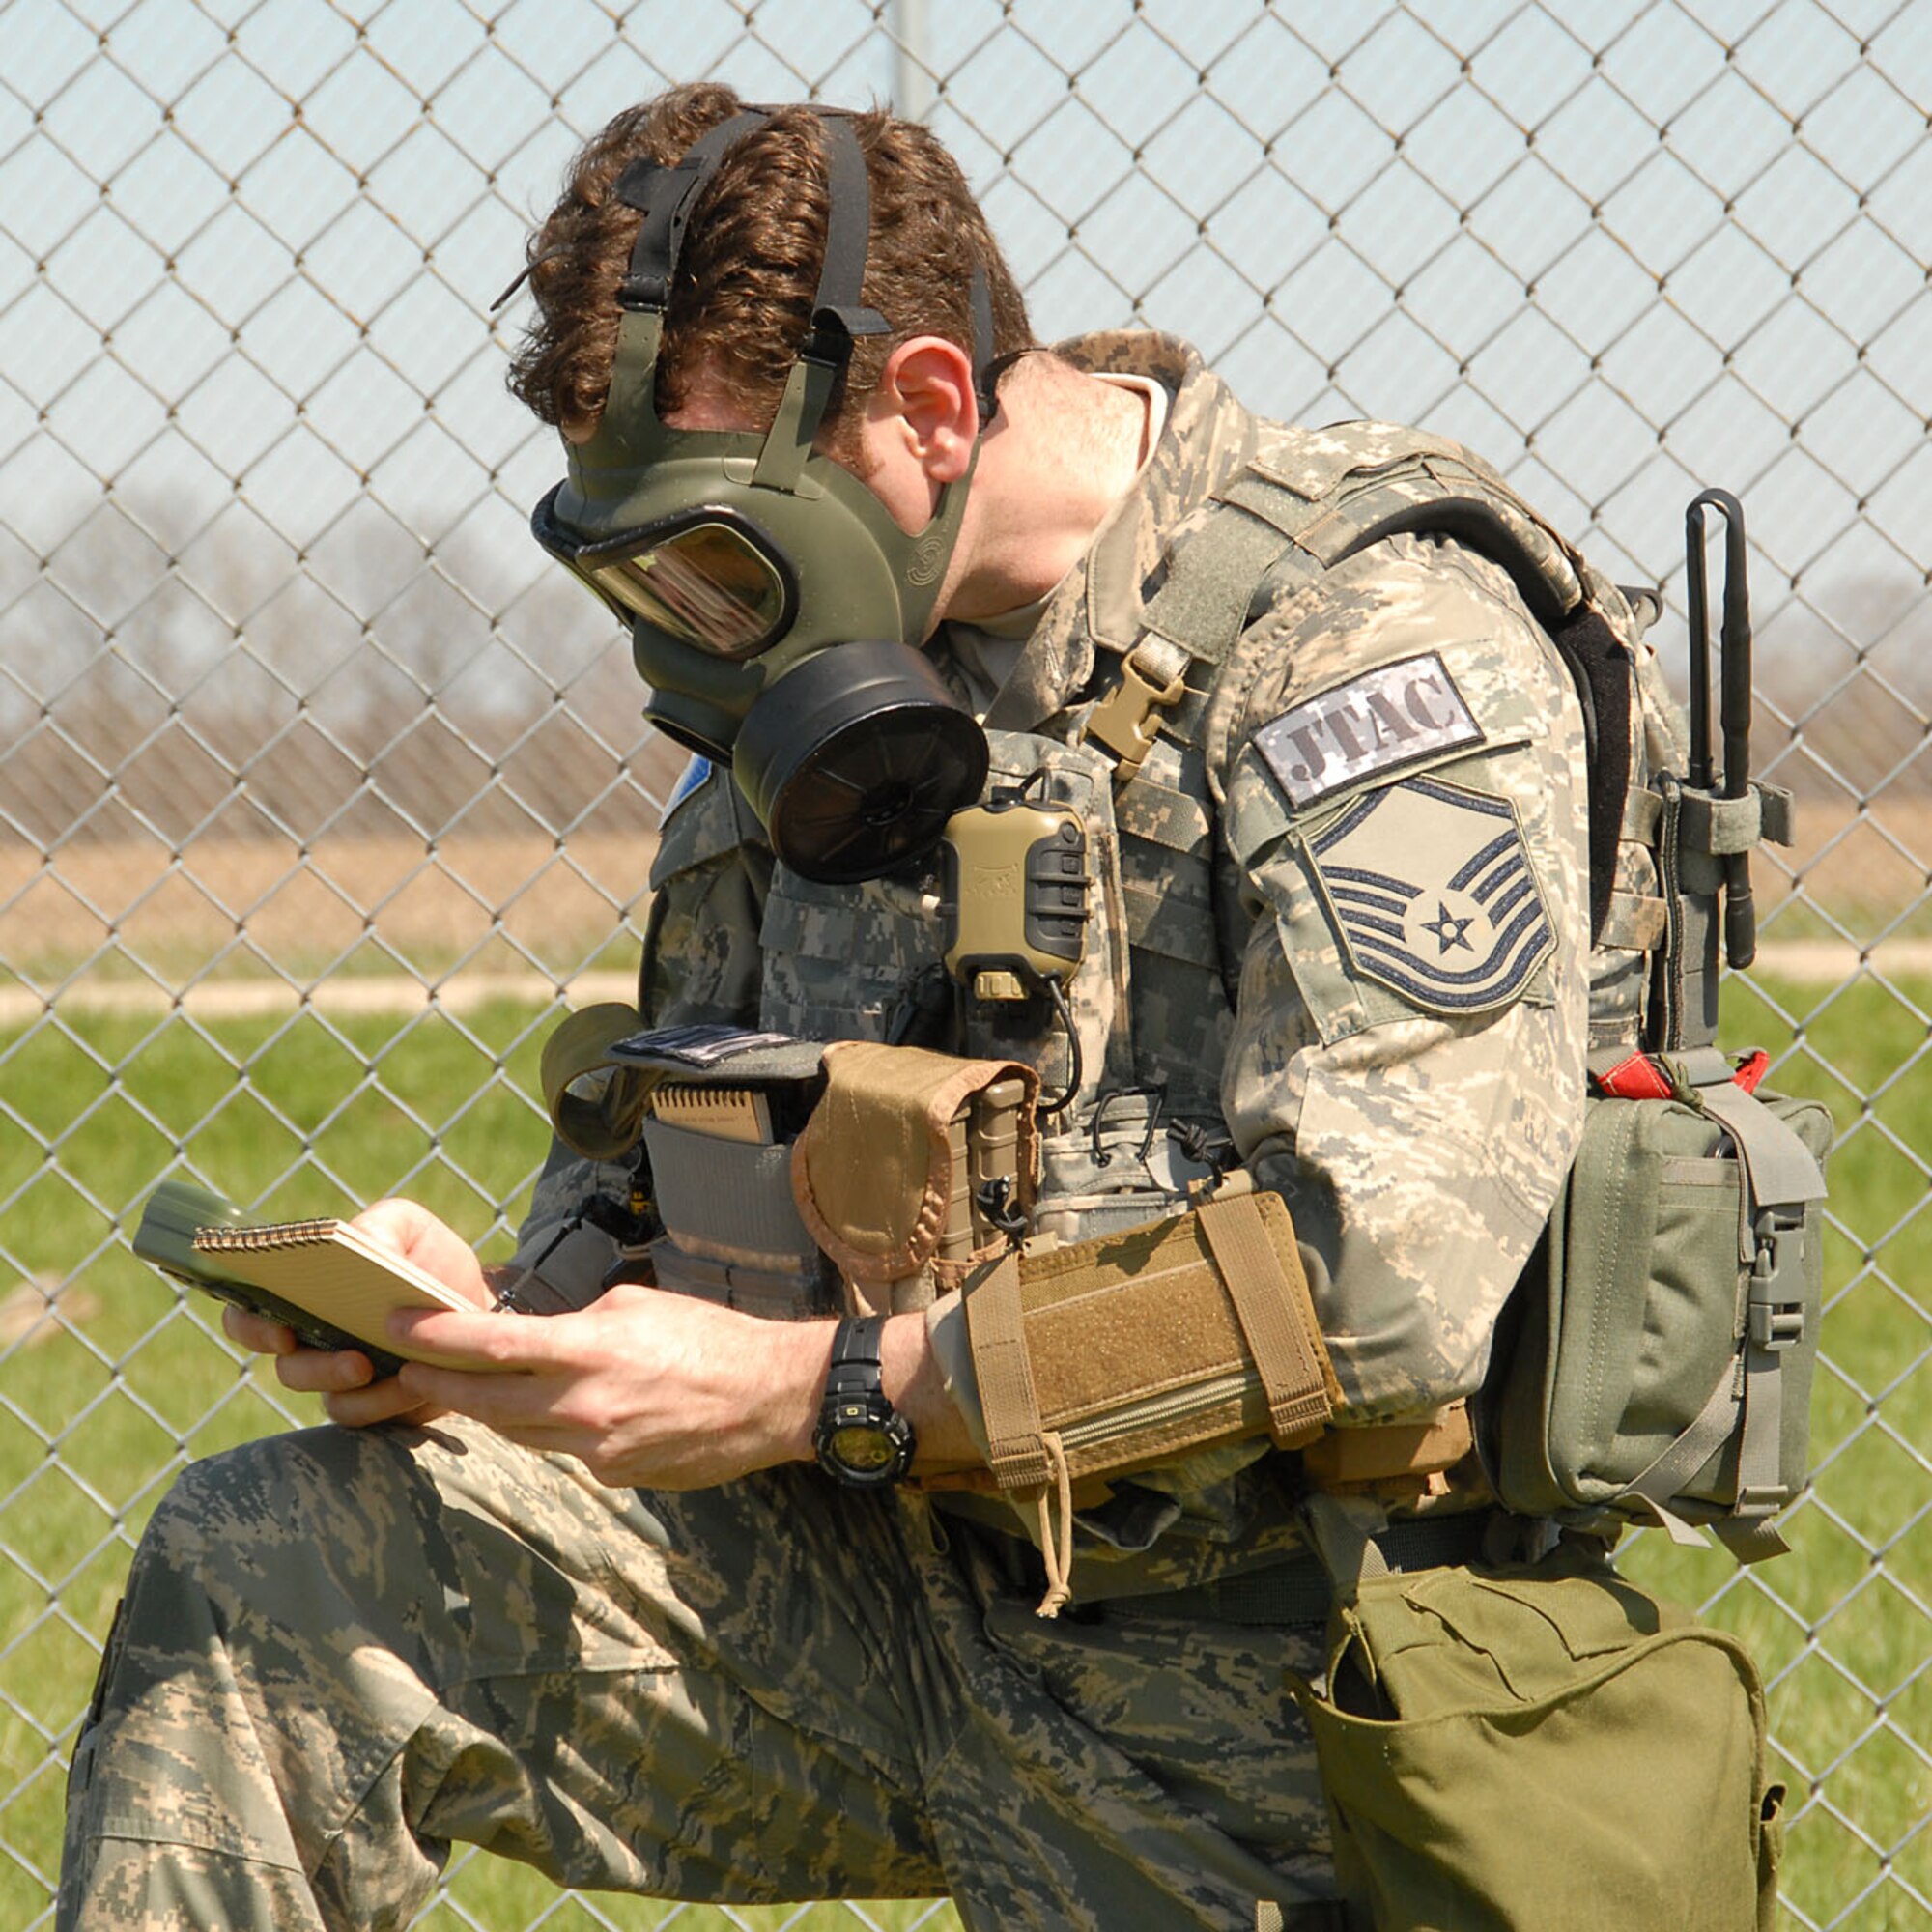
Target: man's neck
<point>1063,451</point>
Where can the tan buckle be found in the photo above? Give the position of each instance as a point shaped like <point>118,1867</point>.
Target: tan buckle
<point>1126,719</point>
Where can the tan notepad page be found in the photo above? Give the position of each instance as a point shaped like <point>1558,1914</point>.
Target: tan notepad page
<point>334,1273</point>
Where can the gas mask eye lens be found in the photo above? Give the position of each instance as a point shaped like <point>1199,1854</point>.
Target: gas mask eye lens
<point>701,578</point>
<point>707,584</point>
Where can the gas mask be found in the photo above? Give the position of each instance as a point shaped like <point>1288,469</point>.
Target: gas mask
<point>776,607</point>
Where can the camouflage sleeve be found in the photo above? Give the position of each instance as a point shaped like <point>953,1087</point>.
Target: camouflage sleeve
<point>708,885</point>
<point>1405,810</point>
<point>701,962</point>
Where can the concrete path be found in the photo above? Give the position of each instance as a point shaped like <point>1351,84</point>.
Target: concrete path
<point>242,999</point>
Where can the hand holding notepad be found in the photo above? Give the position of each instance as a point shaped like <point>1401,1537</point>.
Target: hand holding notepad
<point>327,1280</point>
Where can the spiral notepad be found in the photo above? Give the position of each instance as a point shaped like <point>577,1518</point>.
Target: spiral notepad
<point>332,1272</point>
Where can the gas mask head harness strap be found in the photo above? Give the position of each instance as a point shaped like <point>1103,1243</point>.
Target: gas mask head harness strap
<point>776,607</point>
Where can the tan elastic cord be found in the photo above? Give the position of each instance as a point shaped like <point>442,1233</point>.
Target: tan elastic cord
<point>1277,1319</point>
<point>1023,1455</point>
<point>1056,1547</point>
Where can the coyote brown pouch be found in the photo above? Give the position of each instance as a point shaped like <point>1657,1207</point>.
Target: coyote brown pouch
<point>1133,1349</point>
<point>906,1157</point>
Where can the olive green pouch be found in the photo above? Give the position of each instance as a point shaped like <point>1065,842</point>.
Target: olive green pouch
<point>1660,1365</point>
<point>1543,1745</point>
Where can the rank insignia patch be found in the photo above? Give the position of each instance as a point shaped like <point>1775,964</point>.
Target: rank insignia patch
<point>1434,890</point>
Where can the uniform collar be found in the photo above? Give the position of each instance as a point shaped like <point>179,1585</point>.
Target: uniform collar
<point>1098,601</point>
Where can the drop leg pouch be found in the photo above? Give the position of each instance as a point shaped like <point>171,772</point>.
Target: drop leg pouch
<point>1520,1748</point>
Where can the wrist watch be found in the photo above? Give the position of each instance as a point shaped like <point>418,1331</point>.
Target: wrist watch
<point>862,1438</point>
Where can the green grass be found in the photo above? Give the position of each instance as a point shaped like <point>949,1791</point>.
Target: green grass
<point>305,1116</point>
<point>1842,1626</point>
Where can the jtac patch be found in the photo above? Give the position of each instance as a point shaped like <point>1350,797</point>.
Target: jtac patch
<point>1434,894</point>
<point>1379,721</point>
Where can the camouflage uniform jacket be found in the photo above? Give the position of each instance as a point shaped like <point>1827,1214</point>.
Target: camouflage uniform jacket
<point>1340,916</point>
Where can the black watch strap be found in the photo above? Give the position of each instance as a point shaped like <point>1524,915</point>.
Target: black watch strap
<point>862,1438</point>
<point>857,1346</point>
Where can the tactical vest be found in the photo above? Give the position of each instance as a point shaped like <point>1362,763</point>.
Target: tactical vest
<point>1708,1295</point>
<point>1154,998</point>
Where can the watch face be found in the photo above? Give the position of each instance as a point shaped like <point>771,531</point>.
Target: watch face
<point>860,1447</point>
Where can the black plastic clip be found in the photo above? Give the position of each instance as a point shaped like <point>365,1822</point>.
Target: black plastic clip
<point>994,1200</point>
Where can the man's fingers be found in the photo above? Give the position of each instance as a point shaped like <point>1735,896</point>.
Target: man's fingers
<point>491,1341</point>
<point>380,1402</point>
<point>428,1241</point>
<point>400,1223</point>
<point>249,1331</point>
<point>508,1402</point>
<point>325,1370</point>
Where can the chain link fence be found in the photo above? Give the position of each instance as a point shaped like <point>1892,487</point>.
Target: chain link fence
<point>319,794</point>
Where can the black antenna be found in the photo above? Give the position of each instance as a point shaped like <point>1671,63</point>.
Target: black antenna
<point>1735,673</point>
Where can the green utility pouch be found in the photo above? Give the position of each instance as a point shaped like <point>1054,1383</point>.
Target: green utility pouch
<point>1543,1745</point>
<point>1662,1370</point>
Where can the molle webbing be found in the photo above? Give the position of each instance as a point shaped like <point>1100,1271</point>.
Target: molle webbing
<point>1134,1347</point>
<point>1637,921</point>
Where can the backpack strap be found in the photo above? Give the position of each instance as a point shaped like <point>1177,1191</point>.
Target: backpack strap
<point>1779,1178</point>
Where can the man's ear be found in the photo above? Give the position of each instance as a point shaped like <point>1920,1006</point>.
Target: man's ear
<point>926,392</point>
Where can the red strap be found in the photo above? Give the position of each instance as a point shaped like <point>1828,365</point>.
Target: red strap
<point>1641,1078</point>
<point>1638,1078</point>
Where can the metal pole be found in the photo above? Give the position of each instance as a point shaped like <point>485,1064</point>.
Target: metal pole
<point>912,77</point>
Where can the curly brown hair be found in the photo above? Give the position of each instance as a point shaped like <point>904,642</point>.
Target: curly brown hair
<point>741,301</point>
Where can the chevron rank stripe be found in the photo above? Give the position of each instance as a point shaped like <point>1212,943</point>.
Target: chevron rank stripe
<point>1433,889</point>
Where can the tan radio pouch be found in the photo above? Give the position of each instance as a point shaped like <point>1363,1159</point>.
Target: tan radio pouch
<point>891,1172</point>
<point>1133,1349</point>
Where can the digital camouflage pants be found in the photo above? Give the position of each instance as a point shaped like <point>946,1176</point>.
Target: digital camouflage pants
<point>341,1650</point>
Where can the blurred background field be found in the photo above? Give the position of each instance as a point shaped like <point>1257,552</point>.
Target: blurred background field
<point>321,794</point>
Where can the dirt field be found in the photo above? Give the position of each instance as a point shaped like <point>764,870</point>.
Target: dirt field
<point>249,907</point>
